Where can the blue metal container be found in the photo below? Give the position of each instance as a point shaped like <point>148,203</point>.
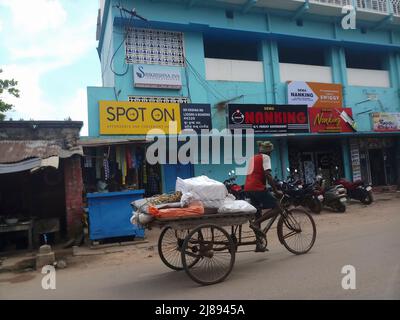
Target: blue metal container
<point>110,213</point>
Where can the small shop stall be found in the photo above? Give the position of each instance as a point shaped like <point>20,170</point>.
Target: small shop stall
<point>115,173</point>
<point>40,183</point>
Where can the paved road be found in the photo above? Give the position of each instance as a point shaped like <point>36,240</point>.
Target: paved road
<point>367,238</point>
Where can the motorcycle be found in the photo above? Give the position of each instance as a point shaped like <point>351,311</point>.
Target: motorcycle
<point>335,196</point>
<point>306,195</point>
<point>357,190</point>
<point>232,187</point>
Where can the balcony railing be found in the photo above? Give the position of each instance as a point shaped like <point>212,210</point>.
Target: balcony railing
<point>373,6</point>
<point>380,6</point>
<point>339,3</point>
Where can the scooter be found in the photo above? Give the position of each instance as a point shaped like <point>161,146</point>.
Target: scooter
<point>335,196</point>
<point>357,190</point>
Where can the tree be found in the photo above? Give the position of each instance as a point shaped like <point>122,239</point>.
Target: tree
<point>7,86</point>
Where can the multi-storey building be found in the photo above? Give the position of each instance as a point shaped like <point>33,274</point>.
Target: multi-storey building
<point>249,54</point>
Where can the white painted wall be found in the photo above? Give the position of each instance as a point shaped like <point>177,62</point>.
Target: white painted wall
<point>234,70</point>
<point>305,72</point>
<point>368,78</point>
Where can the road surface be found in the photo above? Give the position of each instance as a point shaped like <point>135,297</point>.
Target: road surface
<point>367,238</point>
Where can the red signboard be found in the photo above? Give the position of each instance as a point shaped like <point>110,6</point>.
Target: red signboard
<point>324,120</point>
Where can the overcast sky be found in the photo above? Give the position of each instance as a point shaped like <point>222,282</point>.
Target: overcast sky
<point>49,47</point>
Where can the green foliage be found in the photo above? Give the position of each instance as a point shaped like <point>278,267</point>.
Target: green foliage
<point>9,87</point>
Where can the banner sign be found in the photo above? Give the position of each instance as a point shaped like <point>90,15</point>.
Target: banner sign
<point>152,76</point>
<point>196,117</point>
<point>355,160</point>
<point>268,118</point>
<point>315,94</point>
<point>331,120</point>
<point>121,117</point>
<point>383,121</point>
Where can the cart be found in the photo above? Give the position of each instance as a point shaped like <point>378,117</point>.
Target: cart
<point>205,246</point>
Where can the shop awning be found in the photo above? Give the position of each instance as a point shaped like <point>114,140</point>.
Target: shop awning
<point>99,142</point>
<point>16,156</point>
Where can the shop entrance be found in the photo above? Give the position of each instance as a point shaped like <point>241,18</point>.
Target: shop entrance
<point>376,161</point>
<point>310,157</point>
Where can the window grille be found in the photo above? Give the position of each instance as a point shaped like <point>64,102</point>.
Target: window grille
<point>158,99</point>
<point>148,46</point>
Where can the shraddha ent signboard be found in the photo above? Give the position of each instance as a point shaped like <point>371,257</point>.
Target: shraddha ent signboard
<point>384,121</point>
<point>268,118</point>
<point>328,120</point>
<point>152,76</point>
<point>119,117</point>
<point>315,94</point>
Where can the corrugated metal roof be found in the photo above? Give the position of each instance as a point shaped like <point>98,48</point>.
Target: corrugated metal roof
<point>12,151</point>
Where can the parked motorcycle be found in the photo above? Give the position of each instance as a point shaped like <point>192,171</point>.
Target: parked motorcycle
<point>357,190</point>
<point>305,195</point>
<point>232,187</point>
<point>335,196</point>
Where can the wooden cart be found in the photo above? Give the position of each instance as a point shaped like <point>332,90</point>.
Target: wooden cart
<point>205,246</point>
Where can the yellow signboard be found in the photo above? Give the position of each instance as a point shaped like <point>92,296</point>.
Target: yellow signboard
<point>118,117</point>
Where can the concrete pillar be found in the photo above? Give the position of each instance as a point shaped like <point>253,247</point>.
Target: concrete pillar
<point>73,195</point>
<point>270,59</point>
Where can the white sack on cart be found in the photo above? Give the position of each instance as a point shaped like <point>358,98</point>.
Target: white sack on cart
<point>236,206</point>
<point>140,218</point>
<point>202,188</point>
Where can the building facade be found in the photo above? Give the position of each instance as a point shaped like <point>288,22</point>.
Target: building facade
<point>242,55</point>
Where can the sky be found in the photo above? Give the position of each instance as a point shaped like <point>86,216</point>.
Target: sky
<point>49,47</point>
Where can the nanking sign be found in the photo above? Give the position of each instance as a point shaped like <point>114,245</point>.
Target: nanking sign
<point>328,120</point>
<point>315,94</point>
<point>137,117</point>
<point>268,118</point>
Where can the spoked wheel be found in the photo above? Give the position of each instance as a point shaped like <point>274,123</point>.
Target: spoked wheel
<point>170,247</point>
<point>214,251</point>
<point>297,231</point>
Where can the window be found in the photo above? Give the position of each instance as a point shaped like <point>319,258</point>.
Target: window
<point>158,99</point>
<point>304,53</point>
<point>149,46</point>
<point>359,59</point>
<point>235,49</point>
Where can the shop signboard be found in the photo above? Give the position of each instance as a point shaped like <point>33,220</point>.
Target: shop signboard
<point>328,120</point>
<point>315,94</point>
<point>355,160</point>
<point>196,117</point>
<point>118,117</point>
<point>152,76</point>
<point>384,121</point>
<point>268,118</point>
<point>121,117</point>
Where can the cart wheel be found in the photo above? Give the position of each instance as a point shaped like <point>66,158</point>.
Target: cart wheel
<point>213,250</point>
<point>169,248</point>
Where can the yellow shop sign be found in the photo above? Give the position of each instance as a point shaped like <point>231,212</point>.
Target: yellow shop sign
<point>137,117</point>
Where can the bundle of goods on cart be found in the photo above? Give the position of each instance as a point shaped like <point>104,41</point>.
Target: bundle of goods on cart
<point>193,197</point>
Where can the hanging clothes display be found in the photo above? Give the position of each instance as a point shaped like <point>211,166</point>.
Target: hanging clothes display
<point>128,157</point>
<point>123,164</point>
